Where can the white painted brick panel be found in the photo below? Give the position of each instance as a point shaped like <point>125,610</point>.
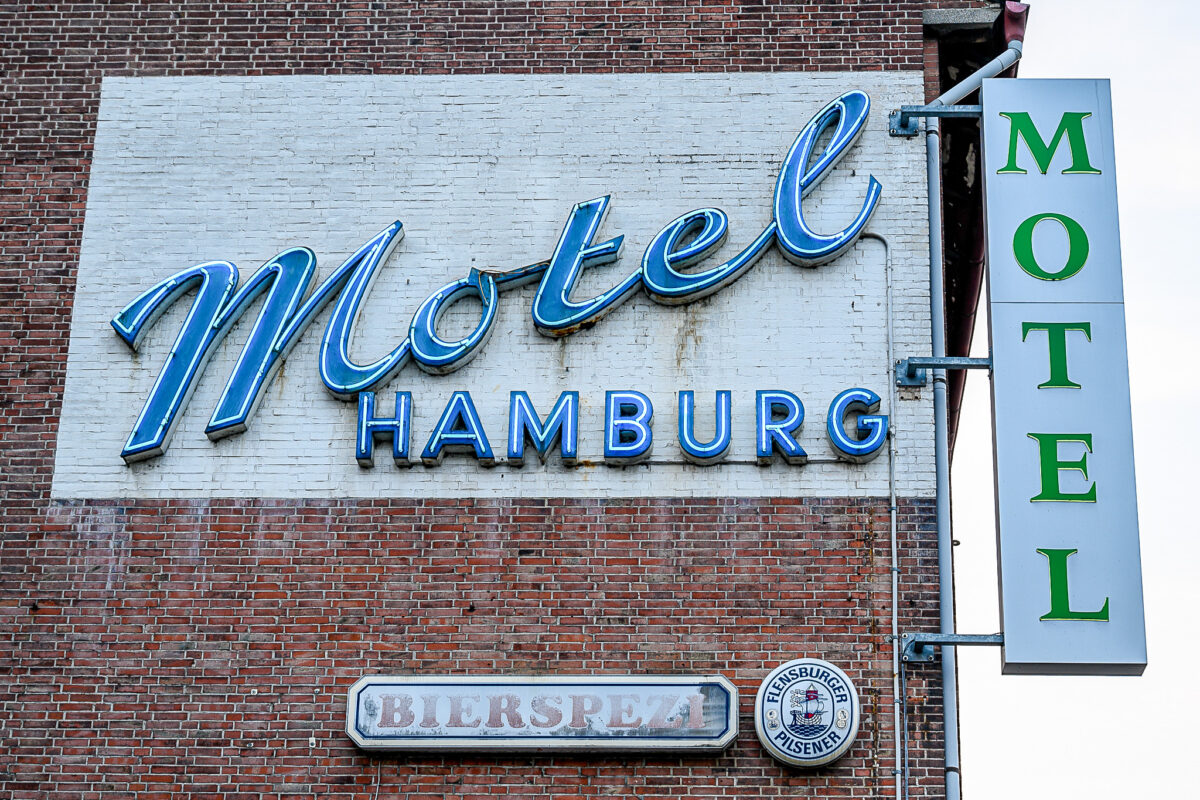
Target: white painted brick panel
<point>482,170</point>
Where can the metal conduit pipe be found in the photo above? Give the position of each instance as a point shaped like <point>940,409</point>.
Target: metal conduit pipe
<point>975,80</point>
<point>901,784</point>
<point>933,163</point>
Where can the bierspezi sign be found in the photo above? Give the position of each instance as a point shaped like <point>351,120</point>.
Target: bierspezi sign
<point>543,713</point>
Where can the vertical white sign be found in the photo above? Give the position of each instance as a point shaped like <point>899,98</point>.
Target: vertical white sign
<point>1070,566</point>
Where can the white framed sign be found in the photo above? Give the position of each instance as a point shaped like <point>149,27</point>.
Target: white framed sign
<point>1066,505</point>
<point>684,713</point>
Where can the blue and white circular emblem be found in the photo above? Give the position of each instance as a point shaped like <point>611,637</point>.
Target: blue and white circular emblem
<point>806,713</point>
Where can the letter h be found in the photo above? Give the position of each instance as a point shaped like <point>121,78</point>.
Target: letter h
<point>372,428</point>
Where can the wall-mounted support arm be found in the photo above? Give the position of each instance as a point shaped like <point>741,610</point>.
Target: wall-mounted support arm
<point>907,121</point>
<point>911,371</point>
<point>919,647</point>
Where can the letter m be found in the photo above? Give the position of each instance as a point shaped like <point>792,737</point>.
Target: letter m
<point>216,307</point>
<point>1070,126</point>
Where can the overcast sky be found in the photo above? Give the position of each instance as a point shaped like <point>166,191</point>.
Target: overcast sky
<point>1096,738</point>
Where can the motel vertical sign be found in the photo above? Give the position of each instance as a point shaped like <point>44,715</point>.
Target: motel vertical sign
<point>1070,567</point>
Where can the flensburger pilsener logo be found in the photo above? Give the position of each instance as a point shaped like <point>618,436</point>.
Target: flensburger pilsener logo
<point>806,713</point>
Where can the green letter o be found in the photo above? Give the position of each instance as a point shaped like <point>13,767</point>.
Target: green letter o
<point>1077,251</point>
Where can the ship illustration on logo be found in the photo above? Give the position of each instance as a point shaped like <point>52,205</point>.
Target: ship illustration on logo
<point>808,710</point>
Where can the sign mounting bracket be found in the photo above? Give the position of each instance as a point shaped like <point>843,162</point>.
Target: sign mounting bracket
<point>918,647</point>
<point>905,122</point>
<point>912,371</point>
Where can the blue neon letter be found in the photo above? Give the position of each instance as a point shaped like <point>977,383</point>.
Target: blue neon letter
<point>372,428</point>
<point>627,434</point>
<point>779,415</point>
<point>554,312</point>
<point>871,427</point>
<point>707,228</point>
<point>459,430</point>
<point>800,244</point>
<point>287,276</point>
<point>524,425</point>
<point>715,449</point>
<point>433,353</point>
<point>341,375</point>
<point>190,352</point>
<point>279,325</point>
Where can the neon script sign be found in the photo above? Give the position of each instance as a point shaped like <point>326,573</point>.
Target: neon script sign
<point>285,314</point>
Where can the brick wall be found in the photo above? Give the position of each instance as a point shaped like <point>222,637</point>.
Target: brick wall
<point>137,630</point>
<point>166,647</point>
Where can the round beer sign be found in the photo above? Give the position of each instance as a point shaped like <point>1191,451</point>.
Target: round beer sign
<point>806,713</point>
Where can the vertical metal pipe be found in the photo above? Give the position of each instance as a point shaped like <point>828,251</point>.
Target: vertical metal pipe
<point>933,163</point>
<point>901,782</point>
<point>937,294</point>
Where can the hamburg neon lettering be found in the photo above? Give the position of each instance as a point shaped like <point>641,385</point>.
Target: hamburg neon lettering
<point>628,433</point>
<point>686,241</point>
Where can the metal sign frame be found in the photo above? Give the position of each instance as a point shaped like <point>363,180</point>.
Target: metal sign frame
<point>597,741</point>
